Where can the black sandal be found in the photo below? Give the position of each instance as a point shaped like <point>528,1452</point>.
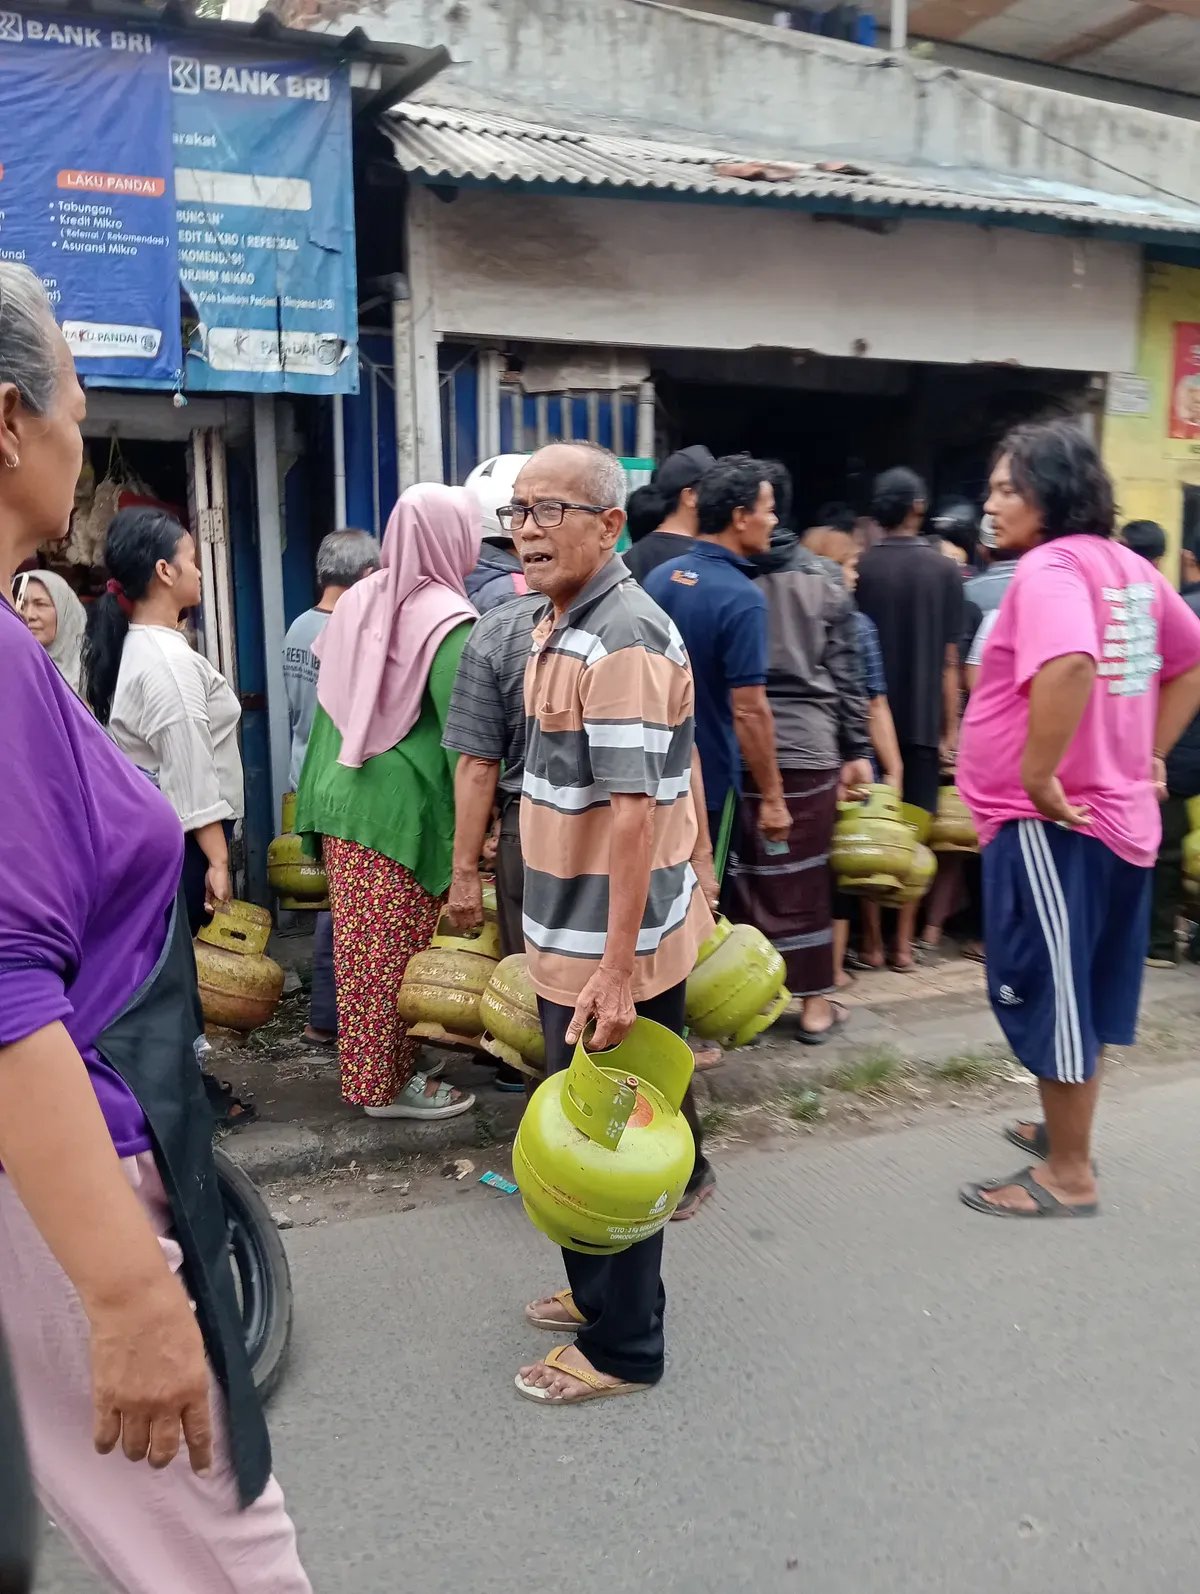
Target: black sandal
<point>818,1037</point>
<point>230,1111</point>
<point>1037,1145</point>
<point>855,961</point>
<point>1047,1205</point>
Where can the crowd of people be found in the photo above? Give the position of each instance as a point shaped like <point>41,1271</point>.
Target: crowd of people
<point>631,745</point>
<point>636,742</point>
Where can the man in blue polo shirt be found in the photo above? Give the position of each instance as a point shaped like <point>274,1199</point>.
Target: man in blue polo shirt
<point>710,594</point>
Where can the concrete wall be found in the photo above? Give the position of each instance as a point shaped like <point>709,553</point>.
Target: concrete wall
<point>1149,467</point>
<point>654,68</point>
<point>1068,80</point>
<point>641,273</point>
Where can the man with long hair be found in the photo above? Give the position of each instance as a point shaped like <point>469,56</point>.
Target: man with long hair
<point>1090,674</point>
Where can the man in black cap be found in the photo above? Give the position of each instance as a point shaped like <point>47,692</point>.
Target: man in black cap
<point>675,484</point>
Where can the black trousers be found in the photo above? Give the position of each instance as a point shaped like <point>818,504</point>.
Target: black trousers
<point>510,878</point>
<point>195,867</point>
<point>322,1001</point>
<point>621,1296</point>
<point>1168,878</point>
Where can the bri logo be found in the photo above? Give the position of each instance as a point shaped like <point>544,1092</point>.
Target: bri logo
<point>1008,997</point>
<point>685,578</point>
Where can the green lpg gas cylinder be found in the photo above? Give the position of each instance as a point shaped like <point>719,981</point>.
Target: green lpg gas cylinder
<point>603,1152</point>
<point>509,1012</point>
<point>873,845</point>
<point>917,881</point>
<point>736,989</point>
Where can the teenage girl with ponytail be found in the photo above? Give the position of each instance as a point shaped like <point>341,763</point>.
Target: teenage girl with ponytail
<point>167,708</point>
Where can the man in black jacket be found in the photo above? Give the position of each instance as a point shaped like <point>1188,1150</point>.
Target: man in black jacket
<point>915,598</point>
<point>814,689</point>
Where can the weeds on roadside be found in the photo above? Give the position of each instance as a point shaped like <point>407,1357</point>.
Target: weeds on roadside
<point>872,1071</point>
<point>804,1106</point>
<point>487,1128</point>
<point>715,1118</point>
<point>968,1068</point>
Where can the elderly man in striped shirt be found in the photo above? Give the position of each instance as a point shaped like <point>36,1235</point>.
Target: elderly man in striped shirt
<point>618,866</point>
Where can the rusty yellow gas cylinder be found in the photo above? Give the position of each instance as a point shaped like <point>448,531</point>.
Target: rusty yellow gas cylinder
<point>240,986</point>
<point>953,828</point>
<point>442,986</point>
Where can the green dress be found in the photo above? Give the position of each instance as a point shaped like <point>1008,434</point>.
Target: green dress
<point>400,803</point>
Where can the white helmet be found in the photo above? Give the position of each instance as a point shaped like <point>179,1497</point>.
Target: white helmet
<point>492,482</point>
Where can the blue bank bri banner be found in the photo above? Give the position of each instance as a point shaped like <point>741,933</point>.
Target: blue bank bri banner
<point>265,215</point>
<point>86,188</point>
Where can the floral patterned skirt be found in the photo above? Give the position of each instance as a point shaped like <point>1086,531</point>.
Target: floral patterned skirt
<point>381,916</point>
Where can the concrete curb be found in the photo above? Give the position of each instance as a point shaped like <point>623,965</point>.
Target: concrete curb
<point>749,1077</point>
<point>270,1151</point>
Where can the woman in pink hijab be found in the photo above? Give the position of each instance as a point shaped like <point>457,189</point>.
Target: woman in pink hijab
<point>378,788</point>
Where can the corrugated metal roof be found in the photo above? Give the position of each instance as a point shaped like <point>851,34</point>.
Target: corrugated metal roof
<point>456,145</point>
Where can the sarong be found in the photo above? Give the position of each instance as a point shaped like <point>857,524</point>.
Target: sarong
<point>788,895</point>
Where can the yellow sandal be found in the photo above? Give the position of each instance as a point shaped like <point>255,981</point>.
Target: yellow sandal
<point>596,1387</point>
<point>555,1324</point>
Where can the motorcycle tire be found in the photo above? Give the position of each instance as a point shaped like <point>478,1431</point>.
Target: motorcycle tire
<point>261,1273</point>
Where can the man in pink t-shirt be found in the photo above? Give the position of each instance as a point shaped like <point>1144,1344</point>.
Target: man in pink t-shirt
<point>1090,673</point>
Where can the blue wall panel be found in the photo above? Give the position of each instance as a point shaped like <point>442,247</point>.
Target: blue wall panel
<point>259,826</point>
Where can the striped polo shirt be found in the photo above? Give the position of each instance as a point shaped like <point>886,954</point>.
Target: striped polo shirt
<point>608,706</point>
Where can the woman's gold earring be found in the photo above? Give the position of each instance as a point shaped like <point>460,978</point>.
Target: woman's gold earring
<point>13,462</point>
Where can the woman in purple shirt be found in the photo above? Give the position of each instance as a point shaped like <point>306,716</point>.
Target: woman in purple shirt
<point>107,1198</point>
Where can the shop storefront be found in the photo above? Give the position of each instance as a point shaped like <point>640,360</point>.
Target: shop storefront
<point>837,318</point>
<point>1151,428</point>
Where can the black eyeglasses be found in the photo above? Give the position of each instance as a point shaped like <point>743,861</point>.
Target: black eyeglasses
<point>547,513</point>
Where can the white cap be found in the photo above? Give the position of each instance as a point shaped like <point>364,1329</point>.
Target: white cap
<point>492,482</point>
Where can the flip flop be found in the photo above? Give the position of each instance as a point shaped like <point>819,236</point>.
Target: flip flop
<point>694,1199</point>
<point>1037,1145</point>
<point>555,1324</point>
<point>1047,1205</point>
<point>853,961</point>
<point>818,1037</point>
<point>706,1057</point>
<point>597,1388</point>
<point>930,952</point>
<point>312,1044</point>
<point>230,1111</point>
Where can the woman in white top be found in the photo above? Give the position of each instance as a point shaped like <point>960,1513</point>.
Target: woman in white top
<point>50,609</point>
<point>164,704</point>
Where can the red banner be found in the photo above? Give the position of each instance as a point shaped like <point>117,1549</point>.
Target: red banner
<point>1185,382</point>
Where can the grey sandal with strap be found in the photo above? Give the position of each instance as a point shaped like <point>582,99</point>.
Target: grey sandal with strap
<point>1035,1145</point>
<point>1047,1205</point>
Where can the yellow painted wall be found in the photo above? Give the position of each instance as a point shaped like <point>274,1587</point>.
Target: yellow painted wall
<point>1149,468</point>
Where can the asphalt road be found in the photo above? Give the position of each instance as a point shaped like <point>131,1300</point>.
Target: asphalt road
<point>871,1390</point>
